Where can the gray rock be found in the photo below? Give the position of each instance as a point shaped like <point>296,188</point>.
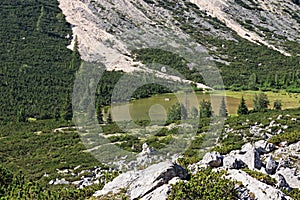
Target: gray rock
<point>146,150</point>
<point>60,182</point>
<point>150,183</point>
<point>269,147</point>
<point>271,165</point>
<point>195,167</point>
<point>260,146</point>
<point>213,159</point>
<point>283,144</point>
<point>250,156</point>
<point>159,193</point>
<point>261,190</point>
<point>154,177</point>
<point>290,175</point>
<point>231,162</point>
<point>120,182</point>
<point>77,183</point>
<point>281,182</point>
<point>263,146</point>
<point>243,193</point>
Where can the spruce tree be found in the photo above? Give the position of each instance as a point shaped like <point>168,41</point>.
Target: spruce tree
<point>57,114</point>
<point>184,112</point>
<point>21,115</point>
<point>277,104</point>
<point>252,82</point>
<point>75,57</point>
<point>242,109</point>
<point>109,118</point>
<point>67,110</point>
<point>223,110</point>
<point>99,114</point>
<point>261,102</point>
<point>174,113</point>
<point>194,113</point>
<point>38,23</point>
<point>205,109</point>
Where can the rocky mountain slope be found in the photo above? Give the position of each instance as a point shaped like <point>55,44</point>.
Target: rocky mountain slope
<point>268,23</point>
<point>230,32</point>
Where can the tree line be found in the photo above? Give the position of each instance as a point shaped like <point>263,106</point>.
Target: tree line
<point>180,112</point>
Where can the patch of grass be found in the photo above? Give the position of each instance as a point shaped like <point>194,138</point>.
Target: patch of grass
<point>290,137</point>
<point>289,100</point>
<point>294,193</point>
<point>261,177</point>
<point>139,109</point>
<point>232,142</point>
<point>207,185</point>
<point>22,149</point>
<point>111,129</point>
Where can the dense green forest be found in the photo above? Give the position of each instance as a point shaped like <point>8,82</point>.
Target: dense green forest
<point>36,69</point>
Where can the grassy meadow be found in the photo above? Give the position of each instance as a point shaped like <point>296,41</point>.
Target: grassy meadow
<point>157,106</point>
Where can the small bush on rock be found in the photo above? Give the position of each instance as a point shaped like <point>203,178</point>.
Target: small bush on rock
<point>205,185</point>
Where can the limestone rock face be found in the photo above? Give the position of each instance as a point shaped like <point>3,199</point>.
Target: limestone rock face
<point>261,190</point>
<point>282,184</point>
<point>290,175</point>
<point>231,162</point>
<point>120,182</point>
<point>153,182</point>
<point>271,165</point>
<point>249,155</point>
<point>154,177</point>
<point>213,159</point>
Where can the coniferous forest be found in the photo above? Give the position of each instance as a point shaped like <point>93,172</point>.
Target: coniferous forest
<point>36,69</point>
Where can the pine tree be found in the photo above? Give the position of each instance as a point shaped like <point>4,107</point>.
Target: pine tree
<point>261,102</point>
<point>57,114</point>
<point>75,57</point>
<point>109,118</point>
<point>67,110</point>
<point>242,110</point>
<point>194,113</point>
<point>174,113</point>
<point>205,109</point>
<point>21,115</point>
<point>99,114</point>
<point>223,110</point>
<point>277,105</point>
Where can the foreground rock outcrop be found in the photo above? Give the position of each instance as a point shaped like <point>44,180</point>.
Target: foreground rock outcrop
<point>257,188</point>
<point>153,182</point>
<point>258,158</point>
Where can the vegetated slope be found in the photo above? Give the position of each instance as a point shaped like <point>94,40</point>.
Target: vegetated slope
<point>257,59</point>
<point>36,69</point>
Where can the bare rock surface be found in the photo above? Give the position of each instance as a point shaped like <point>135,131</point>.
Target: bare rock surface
<point>148,183</point>
<point>261,190</point>
<point>213,159</point>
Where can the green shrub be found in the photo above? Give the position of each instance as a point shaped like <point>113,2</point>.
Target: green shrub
<point>6,178</point>
<point>290,137</point>
<point>205,185</point>
<point>261,177</point>
<point>294,193</point>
